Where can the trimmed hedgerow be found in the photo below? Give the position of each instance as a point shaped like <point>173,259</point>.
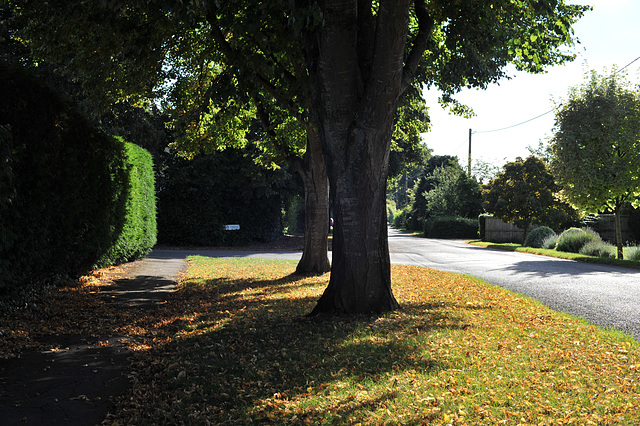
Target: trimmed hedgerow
<point>599,249</point>
<point>450,227</point>
<point>573,239</point>
<point>536,237</point>
<point>200,196</point>
<point>63,191</point>
<point>138,234</point>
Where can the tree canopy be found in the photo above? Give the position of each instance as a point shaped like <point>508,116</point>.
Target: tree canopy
<point>339,68</point>
<point>524,194</point>
<point>596,145</point>
<point>453,193</point>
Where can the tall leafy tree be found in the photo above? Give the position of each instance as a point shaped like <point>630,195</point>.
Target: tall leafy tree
<point>453,193</point>
<point>524,194</point>
<point>424,184</point>
<point>596,146</point>
<point>340,68</point>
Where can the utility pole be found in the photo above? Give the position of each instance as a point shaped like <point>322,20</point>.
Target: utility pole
<point>469,167</point>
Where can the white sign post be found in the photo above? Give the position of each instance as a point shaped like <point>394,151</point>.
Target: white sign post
<point>232,227</point>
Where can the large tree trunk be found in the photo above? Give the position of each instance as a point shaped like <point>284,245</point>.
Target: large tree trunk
<point>316,207</point>
<point>618,230</point>
<point>356,80</point>
<point>360,275</point>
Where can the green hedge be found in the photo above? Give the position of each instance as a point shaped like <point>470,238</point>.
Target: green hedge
<point>68,192</point>
<point>450,227</point>
<point>197,198</point>
<point>138,234</point>
<point>63,199</point>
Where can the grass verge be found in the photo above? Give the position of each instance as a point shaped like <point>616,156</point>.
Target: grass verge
<point>231,348</point>
<point>633,264</point>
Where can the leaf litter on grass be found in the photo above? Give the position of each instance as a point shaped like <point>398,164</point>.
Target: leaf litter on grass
<point>232,346</point>
<point>459,351</point>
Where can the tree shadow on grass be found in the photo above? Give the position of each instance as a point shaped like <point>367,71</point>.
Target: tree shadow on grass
<point>239,354</point>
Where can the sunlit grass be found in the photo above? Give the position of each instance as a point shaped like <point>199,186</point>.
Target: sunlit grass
<point>234,348</point>
<point>634,264</point>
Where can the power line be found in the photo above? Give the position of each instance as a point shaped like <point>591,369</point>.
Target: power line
<point>545,113</point>
<point>515,125</point>
<point>627,65</point>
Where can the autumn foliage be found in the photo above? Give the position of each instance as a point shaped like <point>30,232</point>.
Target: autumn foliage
<point>231,346</point>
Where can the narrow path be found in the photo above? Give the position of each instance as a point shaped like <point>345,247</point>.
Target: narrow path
<point>75,382</point>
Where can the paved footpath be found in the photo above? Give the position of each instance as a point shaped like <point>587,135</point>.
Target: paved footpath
<point>76,385</point>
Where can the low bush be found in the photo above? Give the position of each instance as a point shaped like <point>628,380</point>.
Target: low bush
<point>550,242</point>
<point>450,227</point>
<point>573,239</point>
<point>599,249</point>
<point>400,219</point>
<point>537,236</point>
<point>632,253</point>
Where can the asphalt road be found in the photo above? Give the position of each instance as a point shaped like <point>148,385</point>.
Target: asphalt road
<point>607,296</point>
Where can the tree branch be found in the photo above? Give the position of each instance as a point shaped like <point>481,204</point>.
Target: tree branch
<point>425,26</point>
<point>238,60</point>
<point>366,37</point>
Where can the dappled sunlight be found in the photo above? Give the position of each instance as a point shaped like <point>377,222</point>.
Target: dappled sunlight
<point>236,348</point>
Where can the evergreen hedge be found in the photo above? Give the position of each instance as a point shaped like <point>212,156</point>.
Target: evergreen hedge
<point>139,233</point>
<point>63,186</point>
<point>450,227</point>
<point>66,197</point>
<point>197,198</point>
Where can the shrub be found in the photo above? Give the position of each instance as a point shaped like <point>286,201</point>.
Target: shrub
<point>198,197</point>
<point>62,195</point>
<point>400,219</point>
<point>573,239</point>
<point>138,234</point>
<point>599,249</point>
<point>632,253</point>
<point>550,242</point>
<point>450,227</point>
<point>536,237</point>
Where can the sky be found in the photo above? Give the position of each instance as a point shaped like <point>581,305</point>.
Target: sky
<point>609,36</point>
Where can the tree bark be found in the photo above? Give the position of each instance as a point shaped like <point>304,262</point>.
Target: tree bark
<point>316,207</point>
<point>618,230</point>
<point>355,95</point>
<point>361,273</point>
